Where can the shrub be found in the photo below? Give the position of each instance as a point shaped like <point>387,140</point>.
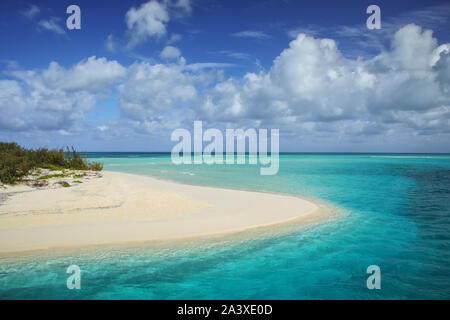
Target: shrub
<point>16,162</point>
<point>96,166</point>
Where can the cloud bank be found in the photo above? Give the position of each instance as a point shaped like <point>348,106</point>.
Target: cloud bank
<point>56,97</point>
<point>310,91</point>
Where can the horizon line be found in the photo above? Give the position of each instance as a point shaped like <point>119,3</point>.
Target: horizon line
<point>282,152</point>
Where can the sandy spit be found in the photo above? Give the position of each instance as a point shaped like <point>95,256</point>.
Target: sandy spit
<point>125,208</point>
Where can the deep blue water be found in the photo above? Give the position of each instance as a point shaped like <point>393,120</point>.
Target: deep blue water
<point>395,213</point>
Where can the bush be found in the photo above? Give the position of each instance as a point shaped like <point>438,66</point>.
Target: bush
<point>96,166</point>
<point>16,162</point>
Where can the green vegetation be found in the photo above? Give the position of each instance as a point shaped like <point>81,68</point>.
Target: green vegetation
<point>77,181</point>
<point>64,184</point>
<point>49,176</point>
<point>16,162</point>
<point>96,166</point>
<point>51,167</point>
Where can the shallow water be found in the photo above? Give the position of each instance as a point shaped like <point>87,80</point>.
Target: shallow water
<point>397,217</point>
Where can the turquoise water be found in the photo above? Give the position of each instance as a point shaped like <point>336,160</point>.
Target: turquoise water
<point>396,215</point>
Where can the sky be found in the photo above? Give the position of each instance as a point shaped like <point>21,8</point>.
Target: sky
<point>137,70</point>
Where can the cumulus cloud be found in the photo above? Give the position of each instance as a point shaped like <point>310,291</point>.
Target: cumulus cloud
<point>308,81</point>
<point>311,90</point>
<point>12,105</point>
<point>311,82</point>
<point>412,48</point>
<point>54,98</point>
<point>170,53</point>
<point>155,97</point>
<point>92,75</point>
<point>150,91</point>
<point>411,78</point>
<point>150,19</point>
<point>147,21</point>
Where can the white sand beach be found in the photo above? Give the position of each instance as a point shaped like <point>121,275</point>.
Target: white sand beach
<point>120,208</point>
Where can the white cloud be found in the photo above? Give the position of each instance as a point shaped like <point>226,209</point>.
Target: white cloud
<point>12,106</point>
<point>161,96</point>
<point>92,75</point>
<point>251,34</point>
<point>151,90</point>
<point>412,48</point>
<point>149,20</point>
<point>309,80</point>
<point>170,53</point>
<point>311,92</point>
<point>312,82</point>
<point>410,77</point>
<point>356,41</point>
<point>56,97</point>
<point>52,25</point>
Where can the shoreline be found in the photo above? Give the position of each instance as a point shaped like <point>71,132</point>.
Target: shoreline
<point>124,208</point>
<point>196,241</point>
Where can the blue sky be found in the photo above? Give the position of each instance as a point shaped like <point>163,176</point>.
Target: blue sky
<point>139,69</point>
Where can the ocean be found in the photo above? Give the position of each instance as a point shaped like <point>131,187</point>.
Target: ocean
<point>394,213</point>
